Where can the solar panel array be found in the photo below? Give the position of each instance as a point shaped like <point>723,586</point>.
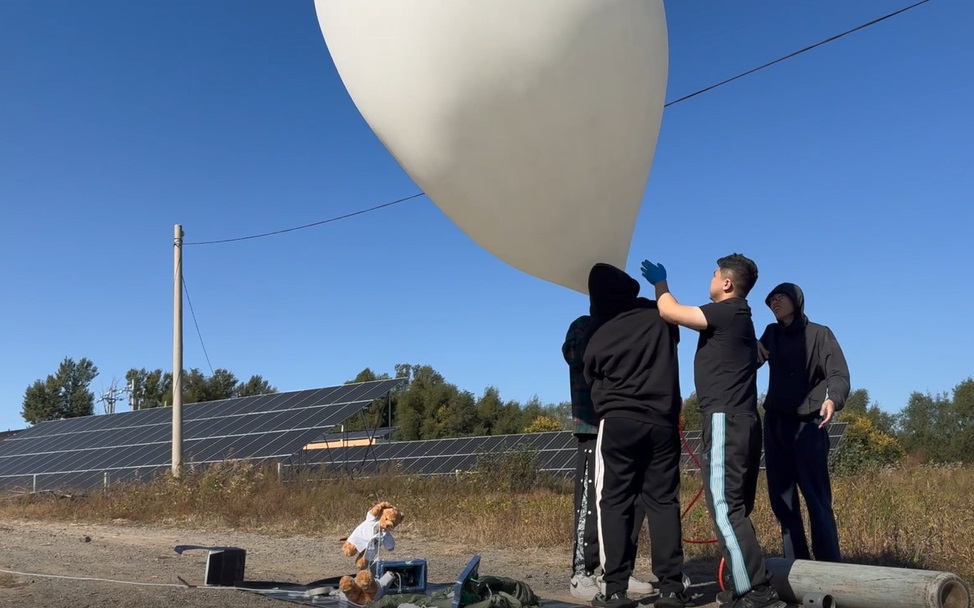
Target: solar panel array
<point>554,453</point>
<point>92,450</point>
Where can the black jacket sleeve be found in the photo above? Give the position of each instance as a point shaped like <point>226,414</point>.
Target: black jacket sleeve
<point>765,341</point>
<point>836,369</point>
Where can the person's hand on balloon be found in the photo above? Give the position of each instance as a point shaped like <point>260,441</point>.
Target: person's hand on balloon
<point>654,273</point>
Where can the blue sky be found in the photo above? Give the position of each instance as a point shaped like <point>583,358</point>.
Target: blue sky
<point>847,170</point>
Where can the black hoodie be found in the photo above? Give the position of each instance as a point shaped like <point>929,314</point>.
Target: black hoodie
<point>631,357</point>
<point>807,364</point>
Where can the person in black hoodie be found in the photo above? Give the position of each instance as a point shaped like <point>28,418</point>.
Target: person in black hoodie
<point>631,364</point>
<point>585,582</point>
<point>808,383</point>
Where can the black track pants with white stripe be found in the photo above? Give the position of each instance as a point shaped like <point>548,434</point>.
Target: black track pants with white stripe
<point>731,459</point>
<point>585,555</point>
<point>636,460</point>
<point>585,558</point>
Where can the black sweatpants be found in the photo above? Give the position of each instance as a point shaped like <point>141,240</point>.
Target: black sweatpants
<point>585,552</point>
<point>731,459</point>
<point>635,460</point>
<point>797,458</point>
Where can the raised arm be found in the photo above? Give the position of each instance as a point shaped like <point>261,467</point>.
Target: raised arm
<point>671,310</point>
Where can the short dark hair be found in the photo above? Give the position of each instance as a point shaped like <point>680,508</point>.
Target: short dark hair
<point>743,272</point>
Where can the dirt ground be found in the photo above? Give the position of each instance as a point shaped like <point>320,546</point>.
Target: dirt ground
<point>124,552</point>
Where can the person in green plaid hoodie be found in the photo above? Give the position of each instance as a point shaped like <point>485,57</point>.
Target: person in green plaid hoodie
<point>585,582</point>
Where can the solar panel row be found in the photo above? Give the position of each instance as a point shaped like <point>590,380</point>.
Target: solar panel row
<point>259,427</point>
<point>554,453</point>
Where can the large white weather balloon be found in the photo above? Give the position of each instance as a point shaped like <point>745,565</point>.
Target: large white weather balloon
<point>532,124</point>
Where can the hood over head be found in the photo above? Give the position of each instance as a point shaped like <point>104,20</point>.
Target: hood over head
<point>797,297</point>
<point>611,291</point>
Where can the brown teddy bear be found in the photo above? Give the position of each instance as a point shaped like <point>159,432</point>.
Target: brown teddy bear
<point>359,590</point>
<point>376,530</point>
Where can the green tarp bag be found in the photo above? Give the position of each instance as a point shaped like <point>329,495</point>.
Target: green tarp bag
<point>488,592</point>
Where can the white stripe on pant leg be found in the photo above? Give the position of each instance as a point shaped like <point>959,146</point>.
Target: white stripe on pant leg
<point>599,474</point>
<point>583,520</point>
<point>718,444</point>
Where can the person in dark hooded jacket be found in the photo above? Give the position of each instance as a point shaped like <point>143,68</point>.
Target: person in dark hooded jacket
<point>808,383</point>
<point>631,364</point>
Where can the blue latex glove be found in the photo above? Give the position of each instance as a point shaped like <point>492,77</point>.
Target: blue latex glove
<point>654,273</point>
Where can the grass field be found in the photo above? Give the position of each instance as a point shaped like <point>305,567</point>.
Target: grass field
<point>913,516</point>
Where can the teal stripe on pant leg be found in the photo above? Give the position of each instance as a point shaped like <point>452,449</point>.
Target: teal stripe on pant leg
<point>718,444</point>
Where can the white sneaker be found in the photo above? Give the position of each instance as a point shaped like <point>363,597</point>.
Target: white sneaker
<point>638,586</point>
<point>585,587</point>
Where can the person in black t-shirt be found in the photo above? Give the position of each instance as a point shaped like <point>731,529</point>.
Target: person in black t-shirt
<point>725,374</point>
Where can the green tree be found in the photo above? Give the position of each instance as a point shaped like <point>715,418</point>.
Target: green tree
<point>426,391</point>
<point>64,394</point>
<point>429,407</point>
<point>962,438</point>
<point>940,428</point>
<point>256,385</point>
<point>150,388</point>
<point>858,403</point>
<point>926,425</point>
<point>691,413</point>
<point>154,388</point>
<point>562,412</point>
<point>489,408</point>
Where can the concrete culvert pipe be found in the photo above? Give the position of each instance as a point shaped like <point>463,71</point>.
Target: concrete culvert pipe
<point>818,600</point>
<point>856,586</point>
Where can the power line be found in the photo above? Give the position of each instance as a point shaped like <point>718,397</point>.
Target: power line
<point>193,313</point>
<point>666,105</point>
<point>796,53</point>
<point>334,219</point>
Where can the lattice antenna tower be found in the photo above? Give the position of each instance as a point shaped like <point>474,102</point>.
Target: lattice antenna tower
<point>113,394</point>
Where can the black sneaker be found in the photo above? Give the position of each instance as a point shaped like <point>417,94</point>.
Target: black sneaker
<point>672,600</point>
<point>725,597</point>
<point>616,600</point>
<point>760,597</point>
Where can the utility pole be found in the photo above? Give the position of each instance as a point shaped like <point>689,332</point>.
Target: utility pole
<point>177,352</point>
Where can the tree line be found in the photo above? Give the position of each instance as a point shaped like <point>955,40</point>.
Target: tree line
<point>929,428</point>
<point>428,407</point>
<point>67,392</point>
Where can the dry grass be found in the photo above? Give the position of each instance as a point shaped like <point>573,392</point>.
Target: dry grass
<point>916,516</point>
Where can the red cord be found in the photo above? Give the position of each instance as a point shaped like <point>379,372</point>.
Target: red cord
<point>693,457</point>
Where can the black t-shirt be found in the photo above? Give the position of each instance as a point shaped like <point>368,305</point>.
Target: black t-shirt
<point>725,366</point>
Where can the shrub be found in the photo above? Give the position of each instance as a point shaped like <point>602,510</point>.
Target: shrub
<point>865,448</point>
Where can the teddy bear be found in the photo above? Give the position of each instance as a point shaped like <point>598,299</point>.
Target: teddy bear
<point>359,590</point>
<point>376,530</point>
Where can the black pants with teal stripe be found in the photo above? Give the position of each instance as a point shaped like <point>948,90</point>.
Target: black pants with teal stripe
<point>731,459</point>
